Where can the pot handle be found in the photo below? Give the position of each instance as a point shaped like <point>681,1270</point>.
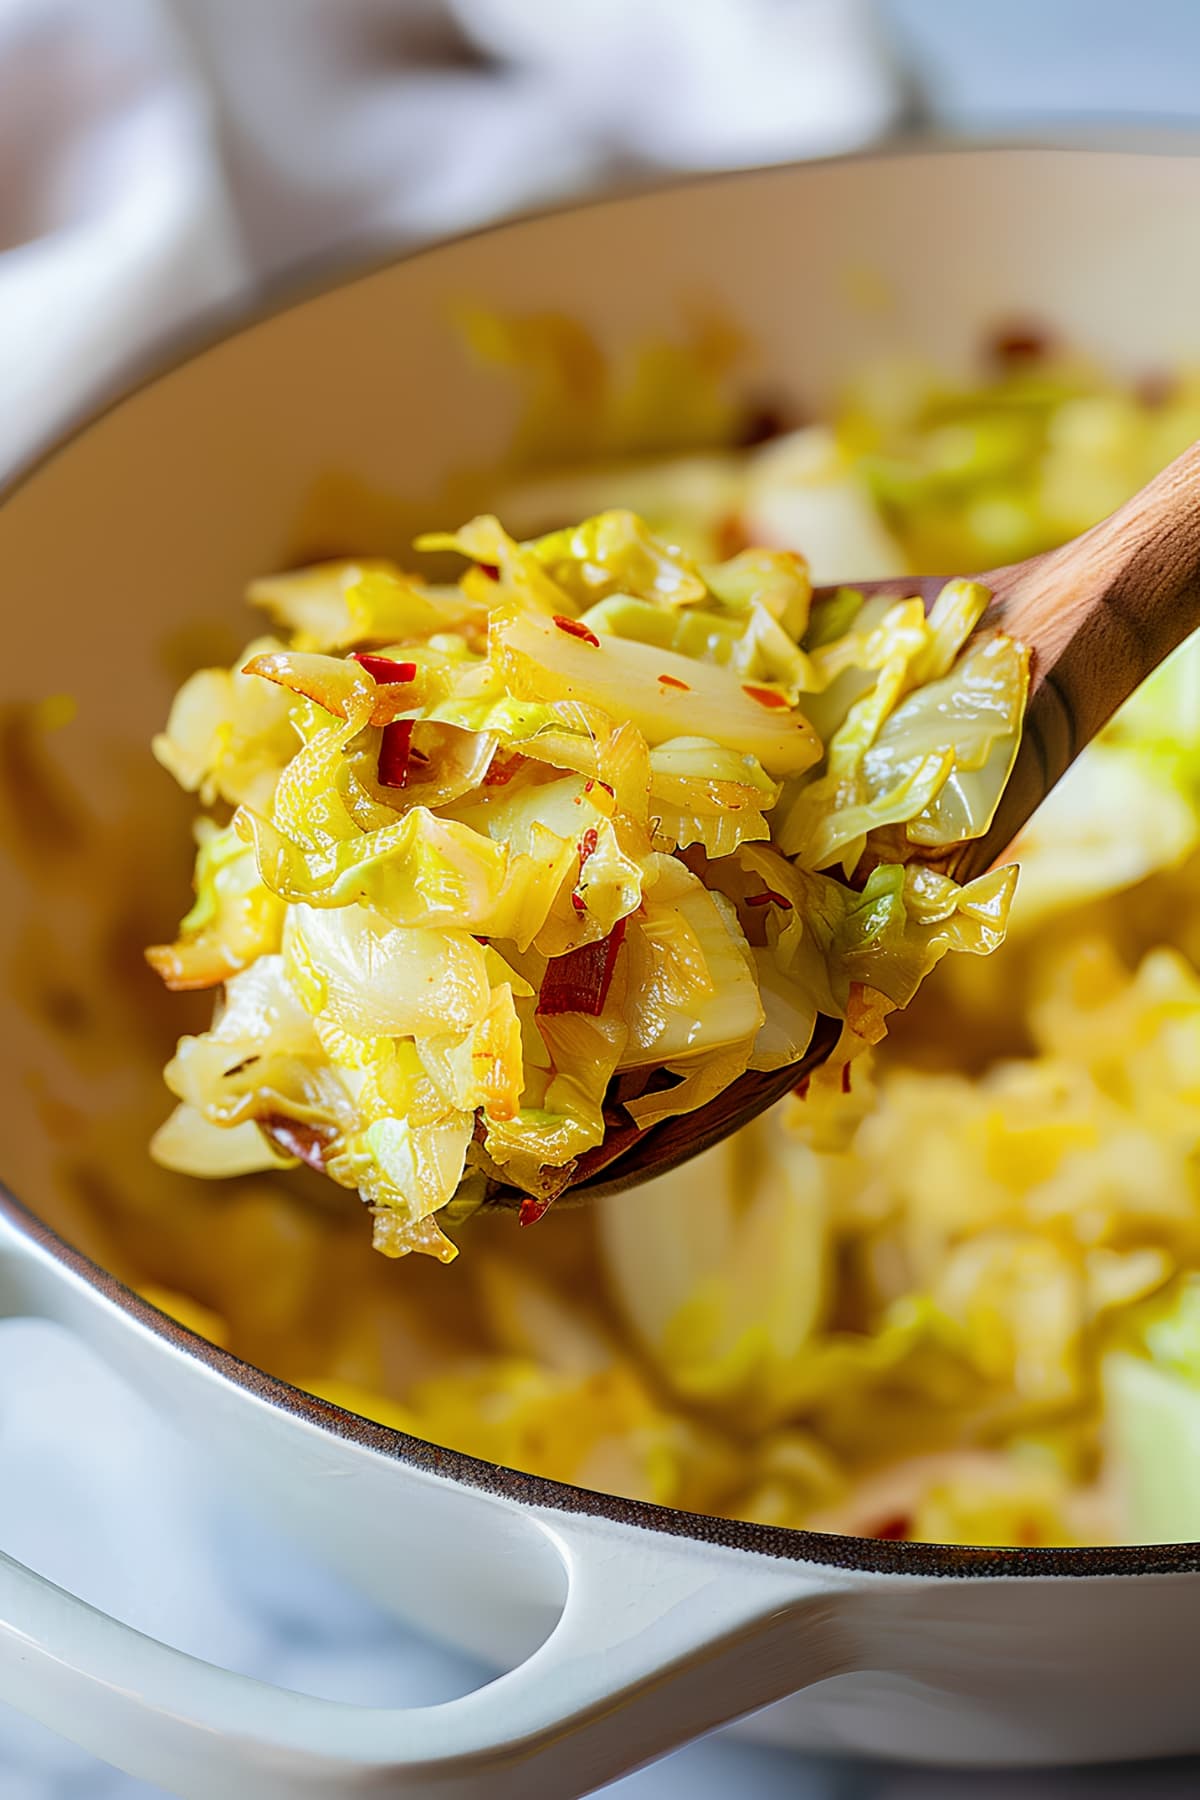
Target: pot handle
<point>659,1640</point>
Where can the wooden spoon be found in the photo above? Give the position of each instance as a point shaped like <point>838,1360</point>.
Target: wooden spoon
<point>1098,616</point>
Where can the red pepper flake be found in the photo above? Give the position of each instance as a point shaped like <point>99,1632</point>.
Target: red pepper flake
<point>502,769</point>
<point>576,628</point>
<point>673,681</point>
<point>297,1138</point>
<point>395,747</point>
<point>1019,342</point>
<point>801,1088</point>
<point>765,696</point>
<point>532,1210</point>
<point>845,1078</point>
<point>478,939</point>
<point>1155,390</point>
<point>588,785</point>
<point>385,669</point>
<point>417,756</point>
<point>588,845</point>
<point>769,897</point>
<point>893,1530</point>
<point>579,981</point>
<point>491,570</point>
<point>766,416</point>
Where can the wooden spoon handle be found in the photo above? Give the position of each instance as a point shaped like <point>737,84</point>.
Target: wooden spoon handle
<point>1099,615</point>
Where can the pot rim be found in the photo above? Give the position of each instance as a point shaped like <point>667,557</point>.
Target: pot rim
<point>877,1556</point>
<point>310,282</point>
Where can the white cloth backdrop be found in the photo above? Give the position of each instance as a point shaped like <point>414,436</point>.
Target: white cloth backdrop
<point>156,159</point>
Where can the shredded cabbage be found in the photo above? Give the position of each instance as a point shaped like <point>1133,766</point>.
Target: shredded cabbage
<point>565,823</point>
<point>957,1302</point>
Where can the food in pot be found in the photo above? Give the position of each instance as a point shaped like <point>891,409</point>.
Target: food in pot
<point>962,1302</point>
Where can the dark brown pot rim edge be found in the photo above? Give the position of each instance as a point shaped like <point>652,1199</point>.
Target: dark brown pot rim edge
<point>832,1550</point>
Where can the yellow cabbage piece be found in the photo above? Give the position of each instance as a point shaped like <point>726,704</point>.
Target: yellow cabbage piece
<point>691,982</point>
<point>234,918</point>
<point>228,735</point>
<point>261,1059</point>
<point>663,693</point>
<point>375,979</point>
<point>336,605</point>
<point>615,553</point>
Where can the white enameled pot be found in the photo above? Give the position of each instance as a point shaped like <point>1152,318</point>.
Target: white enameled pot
<point>625,1629</point>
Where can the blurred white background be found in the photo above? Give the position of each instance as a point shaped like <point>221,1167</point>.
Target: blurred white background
<point>160,159</point>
